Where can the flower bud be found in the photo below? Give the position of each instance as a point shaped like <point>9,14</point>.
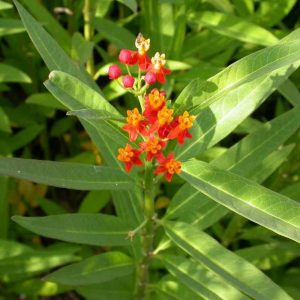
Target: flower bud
<point>125,57</point>
<point>114,72</point>
<point>128,81</point>
<point>150,78</point>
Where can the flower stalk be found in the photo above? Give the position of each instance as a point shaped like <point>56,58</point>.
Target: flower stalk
<point>142,278</point>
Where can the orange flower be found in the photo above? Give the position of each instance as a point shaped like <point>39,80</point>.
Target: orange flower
<point>153,103</point>
<point>129,157</point>
<point>157,67</point>
<point>135,124</point>
<point>181,126</point>
<point>152,147</point>
<point>169,166</point>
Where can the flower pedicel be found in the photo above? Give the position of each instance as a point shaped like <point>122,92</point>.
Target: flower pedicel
<point>155,124</point>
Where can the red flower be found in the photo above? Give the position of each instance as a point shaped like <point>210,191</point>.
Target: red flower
<point>135,124</point>
<point>128,57</point>
<point>150,78</point>
<point>169,166</point>
<point>128,81</point>
<point>163,124</point>
<point>143,46</point>
<point>114,72</point>
<point>153,103</point>
<point>153,147</point>
<point>157,67</point>
<point>130,157</point>
<point>180,131</point>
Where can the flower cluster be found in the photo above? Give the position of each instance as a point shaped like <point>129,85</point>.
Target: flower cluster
<point>156,124</point>
<point>154,68</point>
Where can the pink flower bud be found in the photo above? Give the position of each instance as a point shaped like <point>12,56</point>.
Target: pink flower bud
<point>128,81</point>
<point>150,78</point>
<point>126,57</point>
<point>114,72</point>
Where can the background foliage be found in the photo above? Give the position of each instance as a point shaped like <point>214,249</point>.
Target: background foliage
<point>230,232</point>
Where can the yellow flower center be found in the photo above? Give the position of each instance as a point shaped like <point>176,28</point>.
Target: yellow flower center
<point>173,166</point>
<point>158,60</point>
<point>153,146</point>
<point>125,154</point>
<point>134,117</point>
<point>142,44</point>
<point>156,99</point>
<point>164,116</point>
<point>186,121</point>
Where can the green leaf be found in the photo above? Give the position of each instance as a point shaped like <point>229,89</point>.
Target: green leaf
<point>66,175</point>
<point>117,289</point>
<point>130,3</point>
<point>90,229</point>
<point>5,5</point>
<point>4,207</point>
<point>12,74</point>
<point>256,66</point>
<point>199,279</point>
<point>56,59</point>
<point>94,201</point>
<point>27,264</point>
<point>261,205</point>
<point>235,27</point>
<point>50,207</point>
<point>272,255</point>
<point>235,270</point>
<point>4,122</point>
<point>41,13</point>
<point>45,99</point>
<point>81,48</point>
<point>11,249</point>
<point>115,33</point>
<point>99,268</point>
<point>95,114</point>
<point>10,26</point>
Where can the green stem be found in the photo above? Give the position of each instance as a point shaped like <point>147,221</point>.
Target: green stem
<point>142,278</point>
<point>88,33</point>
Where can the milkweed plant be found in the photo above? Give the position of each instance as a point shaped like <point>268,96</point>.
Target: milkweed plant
<point>148,246</point>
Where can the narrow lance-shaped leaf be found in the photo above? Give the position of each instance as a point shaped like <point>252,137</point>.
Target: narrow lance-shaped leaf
<point>66,175</point>
<point>95,269</point>
<point>199,279</point>
<point>234,269</point>
<point>53,55</point>
<point>255,202</point>
<point>90,229</point>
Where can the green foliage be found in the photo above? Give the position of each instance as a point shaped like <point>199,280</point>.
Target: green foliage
<point>235,67</point>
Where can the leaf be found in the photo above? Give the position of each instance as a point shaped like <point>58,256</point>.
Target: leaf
<point>89,229</point>
<point>254,202</point>
<point>4,121</point>
<point>94,201</point>
<point>235,270</point>
<point>66,175</point>
<point>45,99</point>
<point>115,33</point>
<point>10,26</point>
<point>290,92</point>
<point>11,249</point>
<point>50,207</point>
<point>28,264</point>
<point>94,114</point>
<point>169,288</point>
<point>4,5</point>
<point>199,279</point>
<point>99,268</point>
<point>248,158</point>
<point>199,94</point>
<point>12,74</point>
<point>272,255</point>
<point>56,59</point>
<point>117,289</point>
<point>130,3</point>
<point>41,13</point>
<point>81,48</point>
<point>4,208</point>
<point>235,27</point>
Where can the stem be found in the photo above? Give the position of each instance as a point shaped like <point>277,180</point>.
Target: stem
<point>142,279</point>
<point>88,32</point>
